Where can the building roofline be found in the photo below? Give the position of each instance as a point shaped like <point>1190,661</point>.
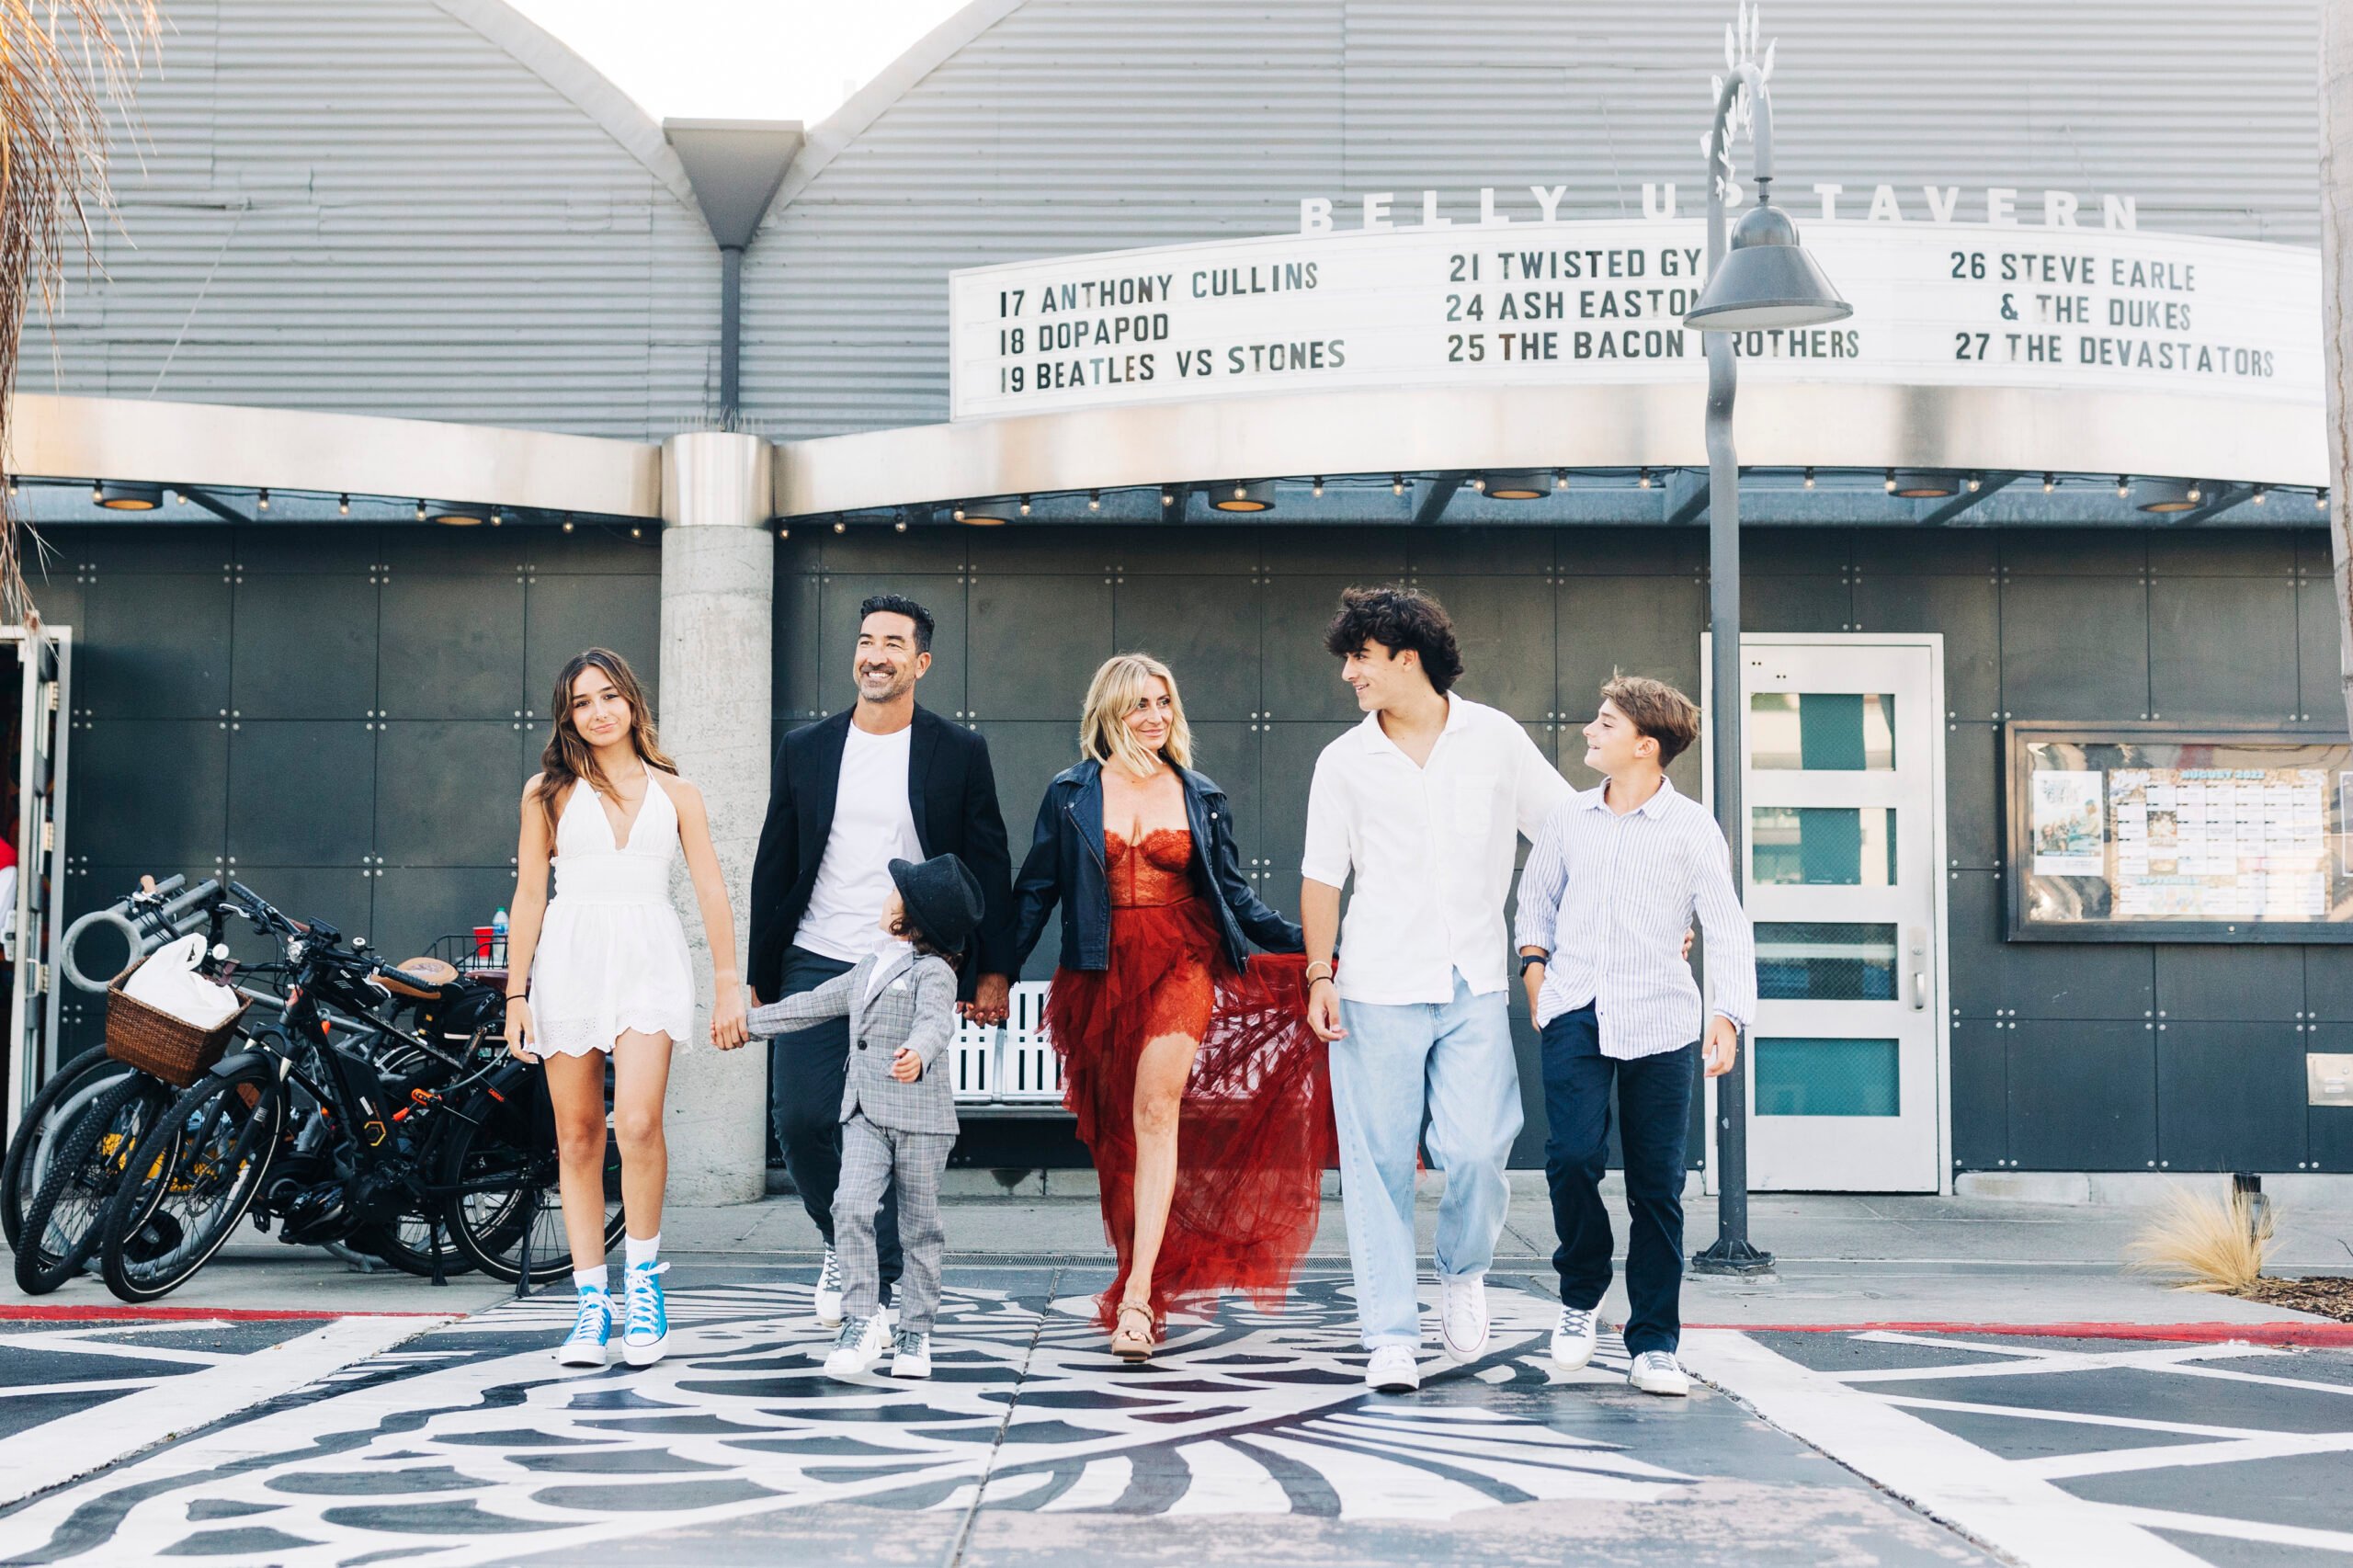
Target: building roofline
<point>833,135</point>
<point>587,88</point>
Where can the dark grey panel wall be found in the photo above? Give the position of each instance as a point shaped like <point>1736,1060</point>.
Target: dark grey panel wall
<point>2113,1057</point>
<point>341,719</point>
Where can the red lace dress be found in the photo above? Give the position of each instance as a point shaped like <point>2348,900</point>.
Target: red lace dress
<point>1254,1134</point>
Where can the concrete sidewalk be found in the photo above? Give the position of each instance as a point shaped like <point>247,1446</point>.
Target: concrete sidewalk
<point>1841,1260</point>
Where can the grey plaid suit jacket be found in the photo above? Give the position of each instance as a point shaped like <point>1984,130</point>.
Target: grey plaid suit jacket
<point>916,1007</point>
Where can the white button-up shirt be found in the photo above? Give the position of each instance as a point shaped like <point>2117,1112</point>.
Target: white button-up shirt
<point>1610,896</point>
<point>1431,848</point>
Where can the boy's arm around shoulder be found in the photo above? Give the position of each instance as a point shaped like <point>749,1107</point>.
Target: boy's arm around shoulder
<point>830,1000</point>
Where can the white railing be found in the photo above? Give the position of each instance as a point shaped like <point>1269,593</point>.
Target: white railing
<point>1011,1064</point>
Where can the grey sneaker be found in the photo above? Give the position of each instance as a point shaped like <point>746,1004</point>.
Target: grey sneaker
<point>1657,1371</point>
<point>829,1290</point>
<point>1573,1338</point>
<point>858,1346</point>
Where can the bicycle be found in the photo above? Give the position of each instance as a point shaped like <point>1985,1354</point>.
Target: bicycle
<point>382,1128</point>
<point>72,1150</point>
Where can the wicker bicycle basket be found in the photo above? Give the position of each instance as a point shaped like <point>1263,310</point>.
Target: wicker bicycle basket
<point>159,1044</point>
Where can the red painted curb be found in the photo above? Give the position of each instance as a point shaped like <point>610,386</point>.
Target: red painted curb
<point>12,1313</point>
<point>2279,1333</point>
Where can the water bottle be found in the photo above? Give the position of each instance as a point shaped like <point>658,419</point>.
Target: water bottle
<point>498,937</point>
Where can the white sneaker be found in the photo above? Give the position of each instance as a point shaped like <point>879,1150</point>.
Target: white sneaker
<point>1656,1371</point>
<point>829,1290</point>
<point>1462,1316</point>
<point>914,1355</point>
<point>1573,1338</point>
<point>858,1346</point>
<point>1391,1369</point>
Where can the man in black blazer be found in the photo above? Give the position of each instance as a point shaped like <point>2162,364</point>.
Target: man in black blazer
<point>884,780</point>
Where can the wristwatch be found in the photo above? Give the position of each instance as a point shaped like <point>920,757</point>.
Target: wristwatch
<point>1527,959</point>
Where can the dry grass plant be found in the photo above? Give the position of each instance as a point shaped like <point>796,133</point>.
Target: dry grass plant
<point>64,66</point>
<point>2203,1240</point>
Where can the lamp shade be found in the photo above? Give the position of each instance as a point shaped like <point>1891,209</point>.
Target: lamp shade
<point>1767,279</point>
<point>1257,495</point>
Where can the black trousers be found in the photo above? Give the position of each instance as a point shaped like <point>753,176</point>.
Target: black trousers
<point>805,1073</point>
<point>1655,1114</point>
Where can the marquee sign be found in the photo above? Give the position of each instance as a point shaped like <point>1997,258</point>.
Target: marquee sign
<point>1601,302</point>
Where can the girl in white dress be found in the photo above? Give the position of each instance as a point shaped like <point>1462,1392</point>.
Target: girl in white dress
<point>606,971</point>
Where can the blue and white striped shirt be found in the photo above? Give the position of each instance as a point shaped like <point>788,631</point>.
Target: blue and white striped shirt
<point>1609,898</point>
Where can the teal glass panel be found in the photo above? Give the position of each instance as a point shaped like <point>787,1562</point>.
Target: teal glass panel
<point>1822,961</point>
<point>1851,847</point>
<point>1822,732</point>
<point>1826,1077</point>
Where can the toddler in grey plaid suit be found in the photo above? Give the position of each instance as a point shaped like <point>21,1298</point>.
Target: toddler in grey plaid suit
<point>898,1108</point>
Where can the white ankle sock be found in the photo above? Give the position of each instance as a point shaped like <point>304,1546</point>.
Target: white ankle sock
<point>589,1278</point>
<point>645,1251</point>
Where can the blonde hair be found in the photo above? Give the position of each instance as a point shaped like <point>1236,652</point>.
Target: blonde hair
<point>1111,696</point>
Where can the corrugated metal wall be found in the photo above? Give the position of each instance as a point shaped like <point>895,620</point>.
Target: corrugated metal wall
<point>1084,125</point>
<point>369,206</point>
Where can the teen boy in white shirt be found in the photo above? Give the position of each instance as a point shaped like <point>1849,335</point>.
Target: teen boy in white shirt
<point>1604,904</point>
<point>1423,803</point>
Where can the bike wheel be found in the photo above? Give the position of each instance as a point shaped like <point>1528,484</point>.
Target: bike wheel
<point>93,1155</point>
<point>70,1088</point>
<point>502,1173</point>
<point>198,1170</point>
<point>407,1245</point>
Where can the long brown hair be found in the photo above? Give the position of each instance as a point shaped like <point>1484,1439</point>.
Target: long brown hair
<point>568,758</point>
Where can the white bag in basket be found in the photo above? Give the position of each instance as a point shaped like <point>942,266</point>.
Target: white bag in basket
<point>168,982</point>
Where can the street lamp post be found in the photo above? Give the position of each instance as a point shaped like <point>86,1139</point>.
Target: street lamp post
<point>1762,280</point>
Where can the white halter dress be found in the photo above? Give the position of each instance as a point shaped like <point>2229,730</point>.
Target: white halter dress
<point>612,956</point>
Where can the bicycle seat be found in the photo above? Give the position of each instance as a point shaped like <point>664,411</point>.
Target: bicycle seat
<point>420,978</point>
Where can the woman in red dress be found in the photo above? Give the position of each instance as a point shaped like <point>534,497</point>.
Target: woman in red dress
<point>1196,1085</point>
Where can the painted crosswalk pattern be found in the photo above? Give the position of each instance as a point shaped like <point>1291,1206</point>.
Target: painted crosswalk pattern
<point>469,1445</point>
<point>2064,1451</point>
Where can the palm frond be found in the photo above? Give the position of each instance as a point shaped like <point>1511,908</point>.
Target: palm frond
<point>65,65</point>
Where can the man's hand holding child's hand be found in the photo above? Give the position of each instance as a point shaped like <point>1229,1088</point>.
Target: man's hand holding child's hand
<point>906,1066</point>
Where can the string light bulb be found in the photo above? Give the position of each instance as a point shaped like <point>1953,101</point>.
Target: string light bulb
<point>1644,481</point>
<point>262,500</point>
<point>1559,479</point>
<point>1094,504</point>
<point>1025,512</point>
<point>1319,487</point>
<point>2050,483</point>
<point>1809,479</point>
<point>420,512</point>
<point>2123,485</point>
<point>2262,493</point>
<point>1396,484</point>
<point>343,505</point>
<point>1891,481</point>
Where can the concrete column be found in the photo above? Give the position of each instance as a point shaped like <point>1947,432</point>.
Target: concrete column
<point>2336,304</point>
<point>718,607</point>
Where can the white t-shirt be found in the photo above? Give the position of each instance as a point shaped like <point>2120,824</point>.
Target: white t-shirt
<point>873,825</point>
<point>1432,848</point>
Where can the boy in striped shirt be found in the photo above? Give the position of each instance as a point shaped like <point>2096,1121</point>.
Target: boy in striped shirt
<point>1609,891</point>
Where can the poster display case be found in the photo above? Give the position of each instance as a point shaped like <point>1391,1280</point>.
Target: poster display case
<point>2148,832</point>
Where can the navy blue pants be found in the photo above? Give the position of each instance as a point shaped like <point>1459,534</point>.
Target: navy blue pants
<point>1653,1114</point>
<point>805,1073</point>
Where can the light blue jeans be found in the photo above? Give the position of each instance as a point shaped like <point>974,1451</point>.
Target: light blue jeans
<point>1456,1059</point>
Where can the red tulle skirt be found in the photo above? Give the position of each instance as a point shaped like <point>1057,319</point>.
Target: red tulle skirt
<point>1255,1134</point>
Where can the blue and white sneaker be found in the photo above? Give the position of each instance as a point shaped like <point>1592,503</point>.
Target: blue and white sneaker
<point>648,1331</point>
<point>591,1331</point>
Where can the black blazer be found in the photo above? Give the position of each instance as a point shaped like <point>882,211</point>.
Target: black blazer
<point>951,794</point>
<point>1066,866</point>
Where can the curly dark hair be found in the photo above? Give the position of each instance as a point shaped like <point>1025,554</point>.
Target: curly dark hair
<point>915,936</point>
<point>1397,619</point>
<point>899,604</point>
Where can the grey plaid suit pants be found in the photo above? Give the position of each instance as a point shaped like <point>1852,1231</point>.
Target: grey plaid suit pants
<point>872,1158</point>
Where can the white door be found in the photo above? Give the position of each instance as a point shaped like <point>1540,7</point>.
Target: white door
<point>1844,790</point>
<point>46,696</point>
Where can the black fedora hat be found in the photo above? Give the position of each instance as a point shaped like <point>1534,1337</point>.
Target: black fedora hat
<point>943,899</point>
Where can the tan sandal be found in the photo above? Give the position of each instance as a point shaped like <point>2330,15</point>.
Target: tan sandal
<point>1130,1342</point>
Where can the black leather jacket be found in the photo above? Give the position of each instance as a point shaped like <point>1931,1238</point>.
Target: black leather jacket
<point>1065,865</point>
